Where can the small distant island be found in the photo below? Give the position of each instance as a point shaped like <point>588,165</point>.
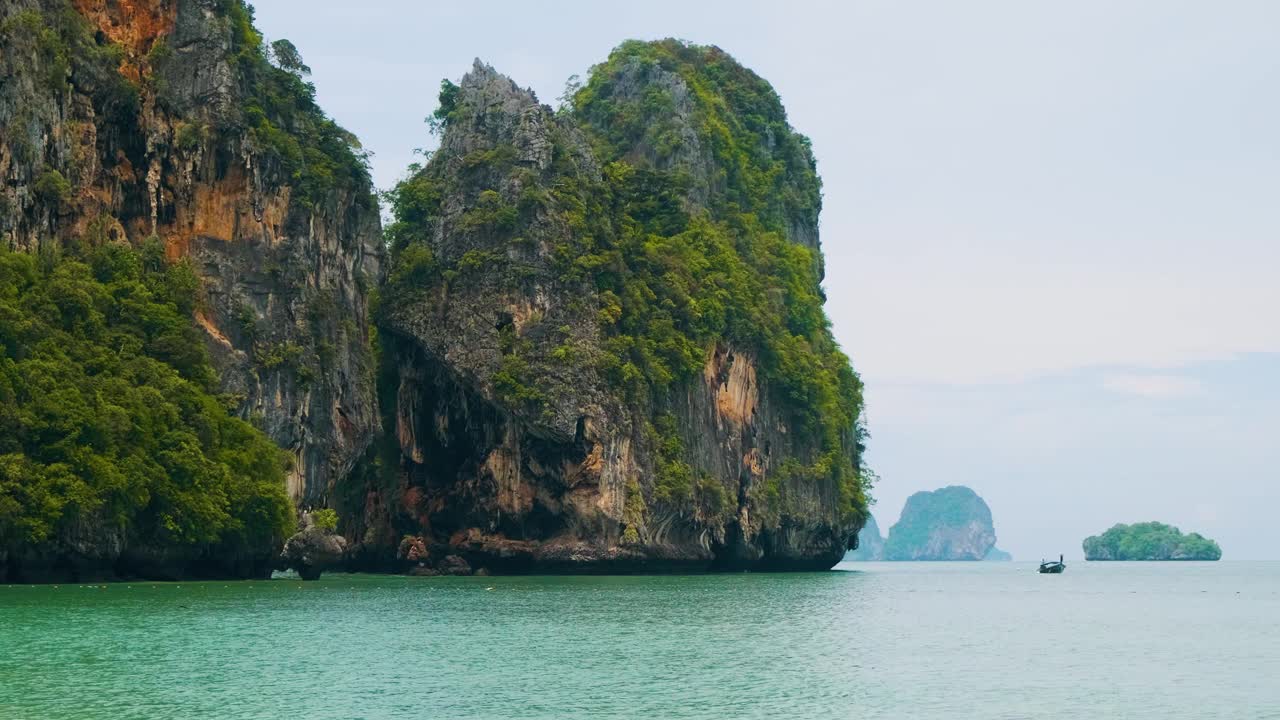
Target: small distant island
<point>951,523</point>
<point>1149,541</point>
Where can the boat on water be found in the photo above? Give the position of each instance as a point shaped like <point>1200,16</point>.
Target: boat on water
<point>1053,567</point>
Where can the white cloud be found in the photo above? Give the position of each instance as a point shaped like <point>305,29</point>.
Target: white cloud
<point>1153,386</point>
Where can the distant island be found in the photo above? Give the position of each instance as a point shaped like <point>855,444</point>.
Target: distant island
<point>952,523</point>
<point>1149,541</point>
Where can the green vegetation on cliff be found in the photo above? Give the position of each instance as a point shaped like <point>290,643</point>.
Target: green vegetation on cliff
<point>68,52</point>
<point>687,275</point>
<point>1149,541</point>
<point>108,414</point>
<point>678,276</point>
<point>699,97</point>
<point>120,121</point>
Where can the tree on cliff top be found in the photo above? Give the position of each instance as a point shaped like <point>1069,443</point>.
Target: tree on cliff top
<point>288,58</point>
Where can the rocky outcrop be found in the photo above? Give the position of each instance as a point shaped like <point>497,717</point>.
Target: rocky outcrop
<point>313,550</point>
<point>517,448</point>
<point>120,121</point>
<point>870,543</point>
<point>951,523</point>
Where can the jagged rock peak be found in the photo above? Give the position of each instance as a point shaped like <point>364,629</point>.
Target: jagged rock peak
<point>482,86</point>
<point>482,73</point>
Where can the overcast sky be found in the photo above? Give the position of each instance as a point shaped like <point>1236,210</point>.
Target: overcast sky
<point>1052,229</point>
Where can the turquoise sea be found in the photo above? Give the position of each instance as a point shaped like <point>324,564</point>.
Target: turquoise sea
<point>873,640</point>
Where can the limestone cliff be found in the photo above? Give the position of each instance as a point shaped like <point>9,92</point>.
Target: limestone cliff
<point>603,328</point>
<point>126,119</point>
<point>123,121</point>
<point>951,523</point>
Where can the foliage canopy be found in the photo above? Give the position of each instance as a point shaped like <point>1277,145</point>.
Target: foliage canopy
<point>108,413</point>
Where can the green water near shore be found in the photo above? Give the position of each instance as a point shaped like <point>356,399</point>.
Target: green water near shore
<point>892,640</point>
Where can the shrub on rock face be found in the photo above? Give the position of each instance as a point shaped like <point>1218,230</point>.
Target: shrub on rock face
<point>51,186</point>
<point>325,519</point>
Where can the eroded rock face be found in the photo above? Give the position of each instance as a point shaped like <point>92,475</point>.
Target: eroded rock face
<point>515,452</point>
<point>313,551</point>
<point>141,130</point>
<point>951,523</point>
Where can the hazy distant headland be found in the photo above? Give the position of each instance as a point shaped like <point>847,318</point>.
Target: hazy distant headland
<point>1149,541</point>
<point>998,555</point>
<point>870,543</point>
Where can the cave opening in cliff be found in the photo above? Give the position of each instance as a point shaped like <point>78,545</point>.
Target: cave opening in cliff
<point>471,468</point>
